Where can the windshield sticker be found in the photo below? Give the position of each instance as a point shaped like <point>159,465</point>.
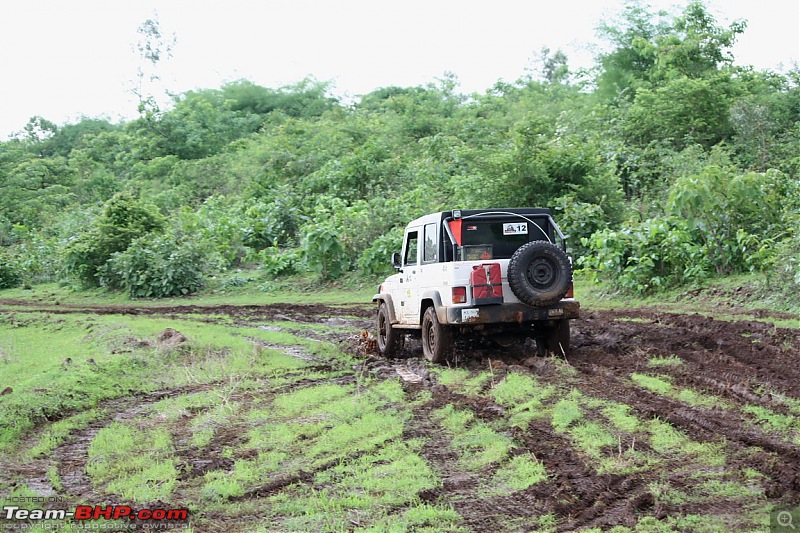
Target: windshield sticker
<point>515,229</point>
<point>472,228</point>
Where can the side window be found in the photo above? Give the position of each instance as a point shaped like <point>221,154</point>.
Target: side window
<point>429,254</point>
<point>412,244</point>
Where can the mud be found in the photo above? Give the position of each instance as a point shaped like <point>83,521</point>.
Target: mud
<point>310,313</point>
<point>743,363</point>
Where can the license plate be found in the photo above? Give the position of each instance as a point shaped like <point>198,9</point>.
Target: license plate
<point>555,312</point>
<point>469,314</point>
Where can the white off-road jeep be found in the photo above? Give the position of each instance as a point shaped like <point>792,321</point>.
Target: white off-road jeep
<point>497,272</point>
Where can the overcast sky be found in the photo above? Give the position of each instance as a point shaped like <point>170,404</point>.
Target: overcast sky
<point>63,59</point>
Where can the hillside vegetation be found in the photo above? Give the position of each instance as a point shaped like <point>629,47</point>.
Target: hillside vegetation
<point>665,164</point>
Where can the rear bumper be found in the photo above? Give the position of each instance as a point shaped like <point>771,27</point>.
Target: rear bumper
<point>512,313</point>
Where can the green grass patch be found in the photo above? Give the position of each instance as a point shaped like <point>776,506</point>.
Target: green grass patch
<point>135,462</point>
<point>477,444</point>
<point>671,442</point>
<point>523,396</point>
<point>662,385</point>
<point>520,473</point>
<point>658,385</point>
<point>308,428</point>
<point>788,426</point>
<point>661,362</point>
<point>591,438</point>
<point>246,474</point>
<point>462,381</point>
<point>61,392</point>
<point>606,449</point>
<point>619,415</point>
<point>205,425</point>
<point>566,411</point>
<point>715,489</point>
<point>183,405</point>
<point>363,491</point>
<point>420,517</point>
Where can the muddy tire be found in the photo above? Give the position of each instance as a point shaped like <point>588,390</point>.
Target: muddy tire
<point>558,338</point>
<point>390,340</point>
<point>437,339</point>
<point>554,340</point>
<point>539,273</point>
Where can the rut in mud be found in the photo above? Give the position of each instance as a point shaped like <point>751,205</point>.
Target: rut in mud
<point>744,364</point>
<point>714,380</point>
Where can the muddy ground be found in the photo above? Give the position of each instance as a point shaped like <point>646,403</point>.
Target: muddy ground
<point>744,363</point>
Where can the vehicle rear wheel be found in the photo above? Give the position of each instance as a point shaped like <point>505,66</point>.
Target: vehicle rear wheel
<point>437,339</point>
<point>539,273</point>
<point>390,340</point>
<point>555,340</point>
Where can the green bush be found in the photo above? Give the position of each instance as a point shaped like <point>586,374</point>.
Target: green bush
<point>323,252</point>
<point>272,223</point>
<point>377,259</point>
<point>732,213</point>
<point>646,256</point>
<point>785,263</point>
<point>579,220</point>
<point>10,275</point>
<point>123,220</point>
<point>157,267</point>
<point>278,262</point>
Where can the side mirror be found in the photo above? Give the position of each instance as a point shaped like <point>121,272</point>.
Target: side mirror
<point>396,261</point>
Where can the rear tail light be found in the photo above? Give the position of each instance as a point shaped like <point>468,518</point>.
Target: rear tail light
<point>459,295</point>
<point>570,291</point>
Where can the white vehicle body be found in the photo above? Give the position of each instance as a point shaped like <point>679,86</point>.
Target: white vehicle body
<point>437,270</point>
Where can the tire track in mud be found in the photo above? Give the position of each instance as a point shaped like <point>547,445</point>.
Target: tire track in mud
<point>744,363</point>
<point>72,456</point>
<point>719,357</point>
<point>573,491</point>
<point>309,313</point>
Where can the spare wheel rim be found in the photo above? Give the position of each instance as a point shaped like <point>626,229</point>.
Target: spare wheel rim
<point>542,273</point>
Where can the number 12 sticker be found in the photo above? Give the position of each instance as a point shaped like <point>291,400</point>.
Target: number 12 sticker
<point>515,229</point>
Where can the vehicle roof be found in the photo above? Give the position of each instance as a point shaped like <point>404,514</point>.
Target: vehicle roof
<point>466,213</point>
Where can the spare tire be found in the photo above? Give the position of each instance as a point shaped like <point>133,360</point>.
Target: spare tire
<point>539,273</point>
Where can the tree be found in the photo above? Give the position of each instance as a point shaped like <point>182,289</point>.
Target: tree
<point>554,66</point>
<point>153,46</point>
<point>696,47</point>
<point>648,54</point>
<point>683,112</point>
<point>628,65</point>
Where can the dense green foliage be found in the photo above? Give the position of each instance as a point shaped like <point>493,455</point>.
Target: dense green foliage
<point>665,164</point>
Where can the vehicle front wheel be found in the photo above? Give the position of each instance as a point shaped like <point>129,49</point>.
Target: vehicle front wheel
<point>437,339</point>
<point>390,340</point>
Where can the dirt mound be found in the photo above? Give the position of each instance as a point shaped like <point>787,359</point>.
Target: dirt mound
<point>170,338</point>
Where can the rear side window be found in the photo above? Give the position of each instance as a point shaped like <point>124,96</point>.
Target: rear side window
<point>429,254</point>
